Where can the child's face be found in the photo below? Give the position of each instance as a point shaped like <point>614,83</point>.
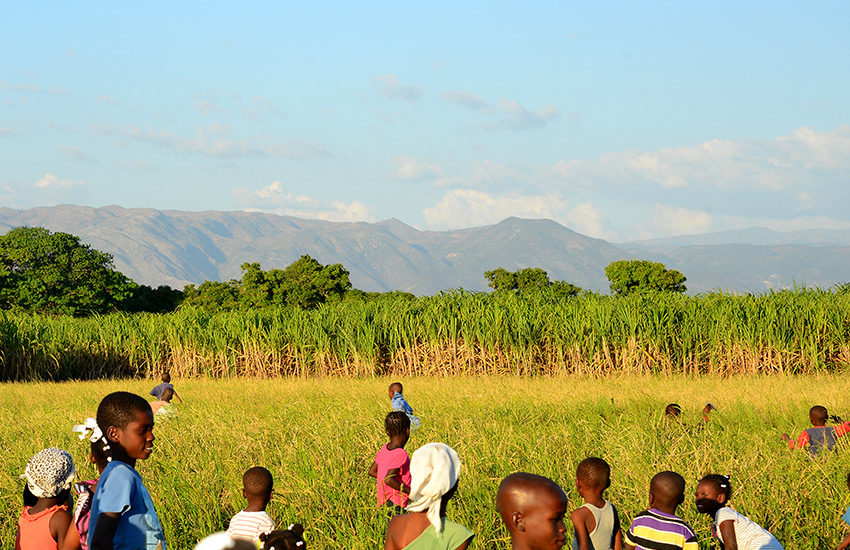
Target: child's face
<point>544,521</point>
<point>708,499</point>
<point>136,438</point>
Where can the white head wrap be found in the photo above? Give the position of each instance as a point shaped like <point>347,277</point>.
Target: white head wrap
<point>434,470</point>
<point>223,541</point>
<point>49,472</point>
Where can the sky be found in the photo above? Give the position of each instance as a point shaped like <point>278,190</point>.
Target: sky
<point>618,120</point>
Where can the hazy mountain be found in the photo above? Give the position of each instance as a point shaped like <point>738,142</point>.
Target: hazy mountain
<point>176,248</point>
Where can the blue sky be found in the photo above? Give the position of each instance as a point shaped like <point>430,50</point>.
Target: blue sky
<point>620,121</point>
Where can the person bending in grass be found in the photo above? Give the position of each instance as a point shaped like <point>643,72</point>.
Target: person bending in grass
<point>399,403</point>
<point>164,408</point>
<point>819,436</point>
<point>159,389</point>
<point>391,467</point>
<point>533,508</point>
<point>596,524</point>
<point>733,530</point>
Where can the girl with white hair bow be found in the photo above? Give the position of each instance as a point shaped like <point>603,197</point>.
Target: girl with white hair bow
<point>434,471</point>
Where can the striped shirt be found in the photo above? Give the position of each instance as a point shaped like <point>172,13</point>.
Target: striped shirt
<point>249,525</point>
<point>654,530</point>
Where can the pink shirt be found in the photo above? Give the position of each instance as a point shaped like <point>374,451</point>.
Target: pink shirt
<point>387,460</point>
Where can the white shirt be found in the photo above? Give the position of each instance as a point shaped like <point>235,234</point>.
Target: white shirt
<point>749,534</point>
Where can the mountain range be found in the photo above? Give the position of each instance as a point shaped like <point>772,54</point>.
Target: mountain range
<point>175,248</point>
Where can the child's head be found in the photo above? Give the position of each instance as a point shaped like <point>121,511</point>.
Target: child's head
<point>397,425</point>
<point>49,474</point>
<point>223,541</point>
<point>168,395</point>
<point>257,486</point>
<point>673,410</point>
<point>126,421</point>
<point>818,415</point>
<point>666,491</point>
<point>593,475</point>
<point>289,539</point>
<point>713,492</point>
<point>533,509</point>
<point>166,377</point>
<point>395,387</point>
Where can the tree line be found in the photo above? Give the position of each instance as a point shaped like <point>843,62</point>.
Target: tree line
<point>57,274</point>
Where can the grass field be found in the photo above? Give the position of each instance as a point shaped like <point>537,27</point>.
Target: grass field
<point>319,436</point>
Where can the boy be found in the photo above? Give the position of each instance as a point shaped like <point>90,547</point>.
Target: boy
<point>250,523</point>
<point>163,408</point>
<point>392,464</point>
<point>399,403</point>
<point>658,528</point>
<point>819,436</point>
<point>159,389</point>
<point>596,524</point>
<point>533,509</point>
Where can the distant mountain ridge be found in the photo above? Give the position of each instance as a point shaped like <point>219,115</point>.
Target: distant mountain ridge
<point>173,247</point>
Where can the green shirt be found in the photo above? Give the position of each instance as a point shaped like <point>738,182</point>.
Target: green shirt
<point>453,536</point>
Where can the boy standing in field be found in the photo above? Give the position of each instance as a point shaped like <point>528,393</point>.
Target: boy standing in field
<point>819,436</point>
<point>392,464</point>
<point>658,528</point>
<point>596,523</point>
<point>533,509</point>
<point>253,521</point>
<point>399,403</point>
<point>159,389</point>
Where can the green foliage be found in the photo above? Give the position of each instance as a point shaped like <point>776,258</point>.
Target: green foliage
<point>143,298</point>
<point>56,274</point>
<point>529,279</point>
<point>842,288</point>
<point>634,276</point>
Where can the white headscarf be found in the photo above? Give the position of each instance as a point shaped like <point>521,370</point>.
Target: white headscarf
<point>434,470</point>
<point>49,472</point>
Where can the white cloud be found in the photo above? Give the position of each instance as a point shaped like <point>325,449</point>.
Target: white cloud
<point>389,87</point>
<point>588,219</point>
<point>52,181</point>
<point>469,208</point>
<point>513,116</point>
<point>408,168</point>
<point>464,99</point>
<point>273,198</point>
<point>671,220</point>
<point>4,132</point>
<point>75,153</point>
<point>208,108</point>
<point>51,190</point>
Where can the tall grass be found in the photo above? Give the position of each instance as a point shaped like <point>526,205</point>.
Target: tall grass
<point>319,438</point>
<point>803,331</point>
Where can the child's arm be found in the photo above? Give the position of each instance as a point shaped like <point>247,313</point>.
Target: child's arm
<point>727,529</point>
<point>373,470</point>
<point>104,530</point>
<point>580,517</point>
<point>844,543</point>
<point>618,532</point>
<point>177,396</point>
<point>395,483</point>
<point>59,527</point>
<point>801,442</point>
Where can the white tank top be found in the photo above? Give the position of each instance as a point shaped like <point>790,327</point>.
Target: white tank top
<point>602,537</point>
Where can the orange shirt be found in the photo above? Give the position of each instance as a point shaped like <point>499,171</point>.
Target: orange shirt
<point>34,529</point>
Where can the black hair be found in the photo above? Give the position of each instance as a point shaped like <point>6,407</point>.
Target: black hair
<point>673,409</point>
<point>100,453</point>
<point>258,482</point>
<point>166,377</point>
<point>167,394</point>
<point>119,409</point>
<point>396,423</point>
<point>288,539</point>
<point>818,415</point>
<point>397,385</point>
<point>29,498</point>
<point>720,482</point>
<point>594,472</point>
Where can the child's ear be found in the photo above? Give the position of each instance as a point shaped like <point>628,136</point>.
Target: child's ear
<point>518,522</point>
<point>112,434</point>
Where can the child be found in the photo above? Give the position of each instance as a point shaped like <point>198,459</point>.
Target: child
<point>658,528</point>
<point>122,512</point>
<point>253,521</point>
<point>163,408</point>
<point>223,541</point>
<point>399,403</point>
<point>99,456</point>
<point>392,464</point>
<point>731,528</point>
<point>596,524</point>
<point>159,389</point>
<point>819,436</point>
<point>846,518</point>
<point>291,539</point>
<point>533,509</point>
<point>46,524</point>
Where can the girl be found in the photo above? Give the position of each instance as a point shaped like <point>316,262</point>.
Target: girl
<point>434,470</point>
<point>122,512</point>
<point>99,456</point>
<point>731,528</point>
<point>46,525</point>
<point>291,539</point>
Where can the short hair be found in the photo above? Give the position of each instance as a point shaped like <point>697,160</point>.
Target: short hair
<point>818,413</point>
<point>167,394</point>
<point>594,472</point>
<point>289,539</point>
<point>673,409</point>
<point>166,377</point>
<point>720,482</point>
<point>100,454</point>
<point>119,409</point>
<point>396,386</point>
<point>257,482</point>
<point>396,423</point>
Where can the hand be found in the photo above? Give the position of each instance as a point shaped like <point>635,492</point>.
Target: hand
<point>786,438</point>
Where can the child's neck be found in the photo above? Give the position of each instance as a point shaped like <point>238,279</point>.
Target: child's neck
<point>44,504</point>
<point>667,509</point>
<point>396,442</point>
<point>119,455</point>
<point>595,499</point>
<point>256,506</point>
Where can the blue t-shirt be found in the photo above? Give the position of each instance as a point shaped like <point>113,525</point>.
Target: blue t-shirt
<point>846,516</point>
<point>159,389</point>
<point>120,490</point>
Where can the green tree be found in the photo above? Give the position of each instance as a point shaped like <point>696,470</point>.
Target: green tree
<point>529,279</point>
<point>54,273</point>
<point>308,283</point>
<point>632,276</point>
<point>213,296</point>
<point>161,299</point>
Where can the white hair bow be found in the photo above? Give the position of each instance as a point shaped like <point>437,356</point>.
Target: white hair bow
<point>83,429</point>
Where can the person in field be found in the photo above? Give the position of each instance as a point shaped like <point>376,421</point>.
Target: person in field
<point>399,403</point>
<point>819,436</point>
<point>163,408</point>
<point>223,541</point>
<point>673,411</point>
<point>435,469</point>
<point>47,524</point>
<point>99,456</point>
<point>533,508</point>
<point>846,519</point>
<point>596,524</point>
<point>122,511</point>
<point>658,527</point>
<point>391,467</point>
<point>253,521</point>
<point>166,384</point>
<point>289,539</point>
<point>733,530</point>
